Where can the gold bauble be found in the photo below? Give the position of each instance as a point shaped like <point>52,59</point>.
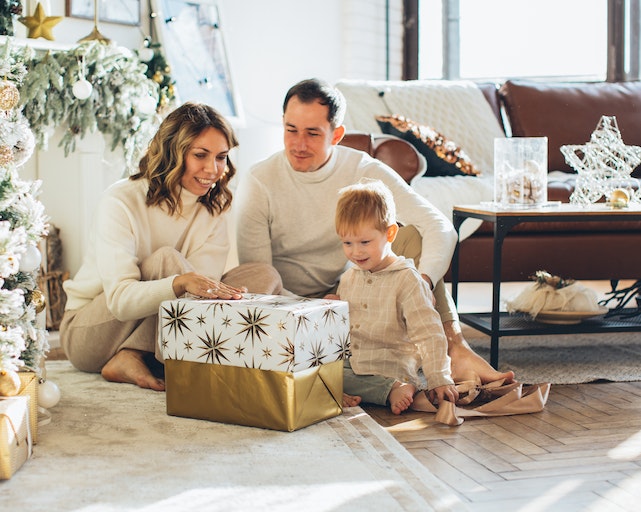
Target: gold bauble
<point>619,198</point>
<point>9,383</point>
<point>38,300</point>
<point>158,77</point>
<point>6,155</point>
<point>9,95</point>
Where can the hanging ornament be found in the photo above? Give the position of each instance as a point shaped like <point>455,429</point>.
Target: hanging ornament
<point>38,299</point>
<point>6,155</point>
<point>48,394</point>
<point>9,95</point>
<point>82,89</point>
<point>9,382</point>
<point>147,105</point>
<point>30,259</point>
<point>145,54</point>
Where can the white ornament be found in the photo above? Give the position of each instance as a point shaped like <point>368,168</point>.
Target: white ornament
<point>147,105</point>
<point>48,394</point>
<point>145,54</point>
<point>82,89</point>
<point>30,259</point>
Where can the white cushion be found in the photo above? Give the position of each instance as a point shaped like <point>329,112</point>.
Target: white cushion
<point>457,109</point>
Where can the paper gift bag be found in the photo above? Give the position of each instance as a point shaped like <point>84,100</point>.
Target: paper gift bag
<point>15,438</point>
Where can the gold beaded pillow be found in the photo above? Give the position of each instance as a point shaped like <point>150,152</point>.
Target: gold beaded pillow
<point>444,157</point>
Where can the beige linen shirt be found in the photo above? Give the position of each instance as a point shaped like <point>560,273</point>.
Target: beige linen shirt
<point>394,329</point>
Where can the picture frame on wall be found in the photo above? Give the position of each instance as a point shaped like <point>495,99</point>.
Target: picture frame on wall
<point>192,38</point>
<point>123,12</point>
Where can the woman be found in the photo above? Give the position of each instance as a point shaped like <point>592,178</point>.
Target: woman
<point>159,234</point>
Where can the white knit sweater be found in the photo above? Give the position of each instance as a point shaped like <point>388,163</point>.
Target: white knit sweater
<point>126,231</point>
<point>286,218</point>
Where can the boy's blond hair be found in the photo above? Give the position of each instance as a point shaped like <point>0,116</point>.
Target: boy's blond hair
<point>366,202</point>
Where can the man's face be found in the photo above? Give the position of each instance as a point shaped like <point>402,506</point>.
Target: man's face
<point>309,136</point>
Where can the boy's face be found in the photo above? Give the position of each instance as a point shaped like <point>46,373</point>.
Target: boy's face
<point>309,136</point>
<point>368,247</point>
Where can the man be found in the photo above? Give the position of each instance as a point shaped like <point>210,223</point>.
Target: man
<point>286,218</point>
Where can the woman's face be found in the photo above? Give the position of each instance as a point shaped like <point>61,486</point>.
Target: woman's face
<point>205,162</point>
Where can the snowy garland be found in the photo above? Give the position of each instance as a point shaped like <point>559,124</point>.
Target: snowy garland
<point>120,104</point>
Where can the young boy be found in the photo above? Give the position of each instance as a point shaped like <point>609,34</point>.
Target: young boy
<point>395,329</point>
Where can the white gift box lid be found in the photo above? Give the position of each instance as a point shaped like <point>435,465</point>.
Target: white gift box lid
<point>268,332</point>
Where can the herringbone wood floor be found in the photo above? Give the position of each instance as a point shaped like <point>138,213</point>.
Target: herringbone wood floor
<point>582,453</point>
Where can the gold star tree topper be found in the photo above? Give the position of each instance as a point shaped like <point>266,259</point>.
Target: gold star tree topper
<point>40,25</point>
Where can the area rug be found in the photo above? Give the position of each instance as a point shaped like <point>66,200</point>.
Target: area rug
<point>568,358</point>
<point>112,447</point>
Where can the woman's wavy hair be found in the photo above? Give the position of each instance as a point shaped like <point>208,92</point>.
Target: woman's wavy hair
<point>164,162</point>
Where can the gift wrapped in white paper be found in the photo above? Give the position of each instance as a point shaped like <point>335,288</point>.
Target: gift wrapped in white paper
<point>265,360</point>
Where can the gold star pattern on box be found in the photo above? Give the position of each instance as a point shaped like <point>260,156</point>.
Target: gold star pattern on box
<point>259,331</point>
<point>40,25</point>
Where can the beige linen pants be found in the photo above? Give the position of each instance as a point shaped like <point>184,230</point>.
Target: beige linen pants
<point>91,335</point>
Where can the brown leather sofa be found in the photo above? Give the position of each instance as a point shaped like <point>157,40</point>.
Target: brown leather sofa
<point>566,113</point>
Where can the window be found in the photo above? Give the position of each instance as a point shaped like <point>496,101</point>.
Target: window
<point>498,39</point>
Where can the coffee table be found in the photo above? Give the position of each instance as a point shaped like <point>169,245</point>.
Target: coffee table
<point>496,323</point>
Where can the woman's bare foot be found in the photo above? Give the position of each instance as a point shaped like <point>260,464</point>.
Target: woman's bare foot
<point>351,400</point>
<point>128,366</point>
<point>401,396</point>
<point>464,361</point>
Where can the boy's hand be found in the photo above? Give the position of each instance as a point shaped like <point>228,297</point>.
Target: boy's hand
<point>447,392</point>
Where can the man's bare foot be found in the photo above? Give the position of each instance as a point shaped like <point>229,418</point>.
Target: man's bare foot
<point>401,396</point>
<point>128,366</point>
<point>465,361</point>
<point>351,400</point>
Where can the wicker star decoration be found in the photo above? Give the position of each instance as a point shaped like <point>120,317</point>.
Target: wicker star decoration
<point>40,25</point>
<point>603,164</point>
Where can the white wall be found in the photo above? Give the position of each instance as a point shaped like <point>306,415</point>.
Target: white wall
<point>271,45</point>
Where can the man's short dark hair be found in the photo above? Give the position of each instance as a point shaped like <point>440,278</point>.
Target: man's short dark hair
<point>313,89</point>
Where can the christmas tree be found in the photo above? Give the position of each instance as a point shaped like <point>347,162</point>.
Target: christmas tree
<point>23,224</point>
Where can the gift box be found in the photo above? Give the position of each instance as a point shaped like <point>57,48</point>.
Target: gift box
<point>29,387</point>
<point>15,434</point>
<point>264,361</point>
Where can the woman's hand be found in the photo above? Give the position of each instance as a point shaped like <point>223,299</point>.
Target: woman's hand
<point>202,286</point>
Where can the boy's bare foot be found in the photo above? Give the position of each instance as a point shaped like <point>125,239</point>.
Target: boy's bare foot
<point>464,361</point>
<point>401,397</point>
<point>351,400</point>
<point>128,366</point>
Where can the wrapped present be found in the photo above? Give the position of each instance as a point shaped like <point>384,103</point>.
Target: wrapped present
<point>29,387</point>
<point>264,361</point>
<point>15,434</point>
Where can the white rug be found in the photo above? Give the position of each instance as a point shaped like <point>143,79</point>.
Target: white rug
<point>568,358</point>
<point>112,447</point>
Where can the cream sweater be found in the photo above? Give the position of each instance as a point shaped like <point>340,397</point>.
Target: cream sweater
<point>126,231</point>
<point>286,218</point>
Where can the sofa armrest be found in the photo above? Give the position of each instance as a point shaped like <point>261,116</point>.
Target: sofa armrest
<point>399,154</point>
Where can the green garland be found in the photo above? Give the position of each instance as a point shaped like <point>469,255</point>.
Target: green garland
<point>119,83</point>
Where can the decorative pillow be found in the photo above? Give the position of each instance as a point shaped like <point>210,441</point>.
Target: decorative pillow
<point>444,157</point>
